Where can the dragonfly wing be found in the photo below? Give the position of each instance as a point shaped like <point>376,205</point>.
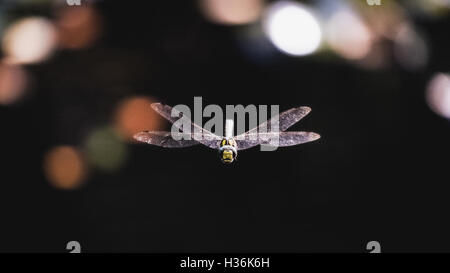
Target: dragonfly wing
<point>164,139</point>
<point>243,144</point>
<point>292,116</point>
<point>286,120</point>
<point>165,111</point>
<point>174,140</point>
<point>292,138</point>
<point>282,139</point>
<point>206,136</point>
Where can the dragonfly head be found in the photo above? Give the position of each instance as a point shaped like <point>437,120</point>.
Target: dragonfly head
<point>228,151</point>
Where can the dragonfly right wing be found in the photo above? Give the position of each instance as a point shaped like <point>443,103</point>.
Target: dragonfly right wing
<point>281,139</point>
<point>286,120</point>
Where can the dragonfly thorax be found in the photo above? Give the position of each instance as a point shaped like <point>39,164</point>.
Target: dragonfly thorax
<point>228,150</point>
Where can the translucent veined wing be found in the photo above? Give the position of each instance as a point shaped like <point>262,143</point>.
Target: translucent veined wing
<point>284,139</point>
<point>166,112</point>
<point>163,139</point>
<point>168,139</point>
<point>286,120</point>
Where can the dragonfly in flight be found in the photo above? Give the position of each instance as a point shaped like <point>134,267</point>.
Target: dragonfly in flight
<point>229,145</point>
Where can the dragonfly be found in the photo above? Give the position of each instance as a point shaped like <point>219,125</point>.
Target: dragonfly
<point>229,145</point>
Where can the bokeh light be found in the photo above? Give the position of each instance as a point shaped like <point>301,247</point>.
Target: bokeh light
<point>135,114</point>
<point>254,44</point>
<point>78,27</point>
<point>30,40</point>
<point>385,19</point>
<point>64,167</point>
<point>438,3</point>
<point>432,7</point>
<point>410,49</point>
<point>231,12</point>
<point>292,28</point>
<point>438,94</point>
<point>378,57</point>
<point>13,83</point>
<point>348,35</point>
<point>105,149</point>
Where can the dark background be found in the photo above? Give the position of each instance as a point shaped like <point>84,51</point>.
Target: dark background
<point>379,172</point>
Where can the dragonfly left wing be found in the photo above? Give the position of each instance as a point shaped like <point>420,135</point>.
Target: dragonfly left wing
<point>199,134</point>
<point>166,112</point>
<point>168,139</point>
<point>284,139</point>
<point>163,139</point>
